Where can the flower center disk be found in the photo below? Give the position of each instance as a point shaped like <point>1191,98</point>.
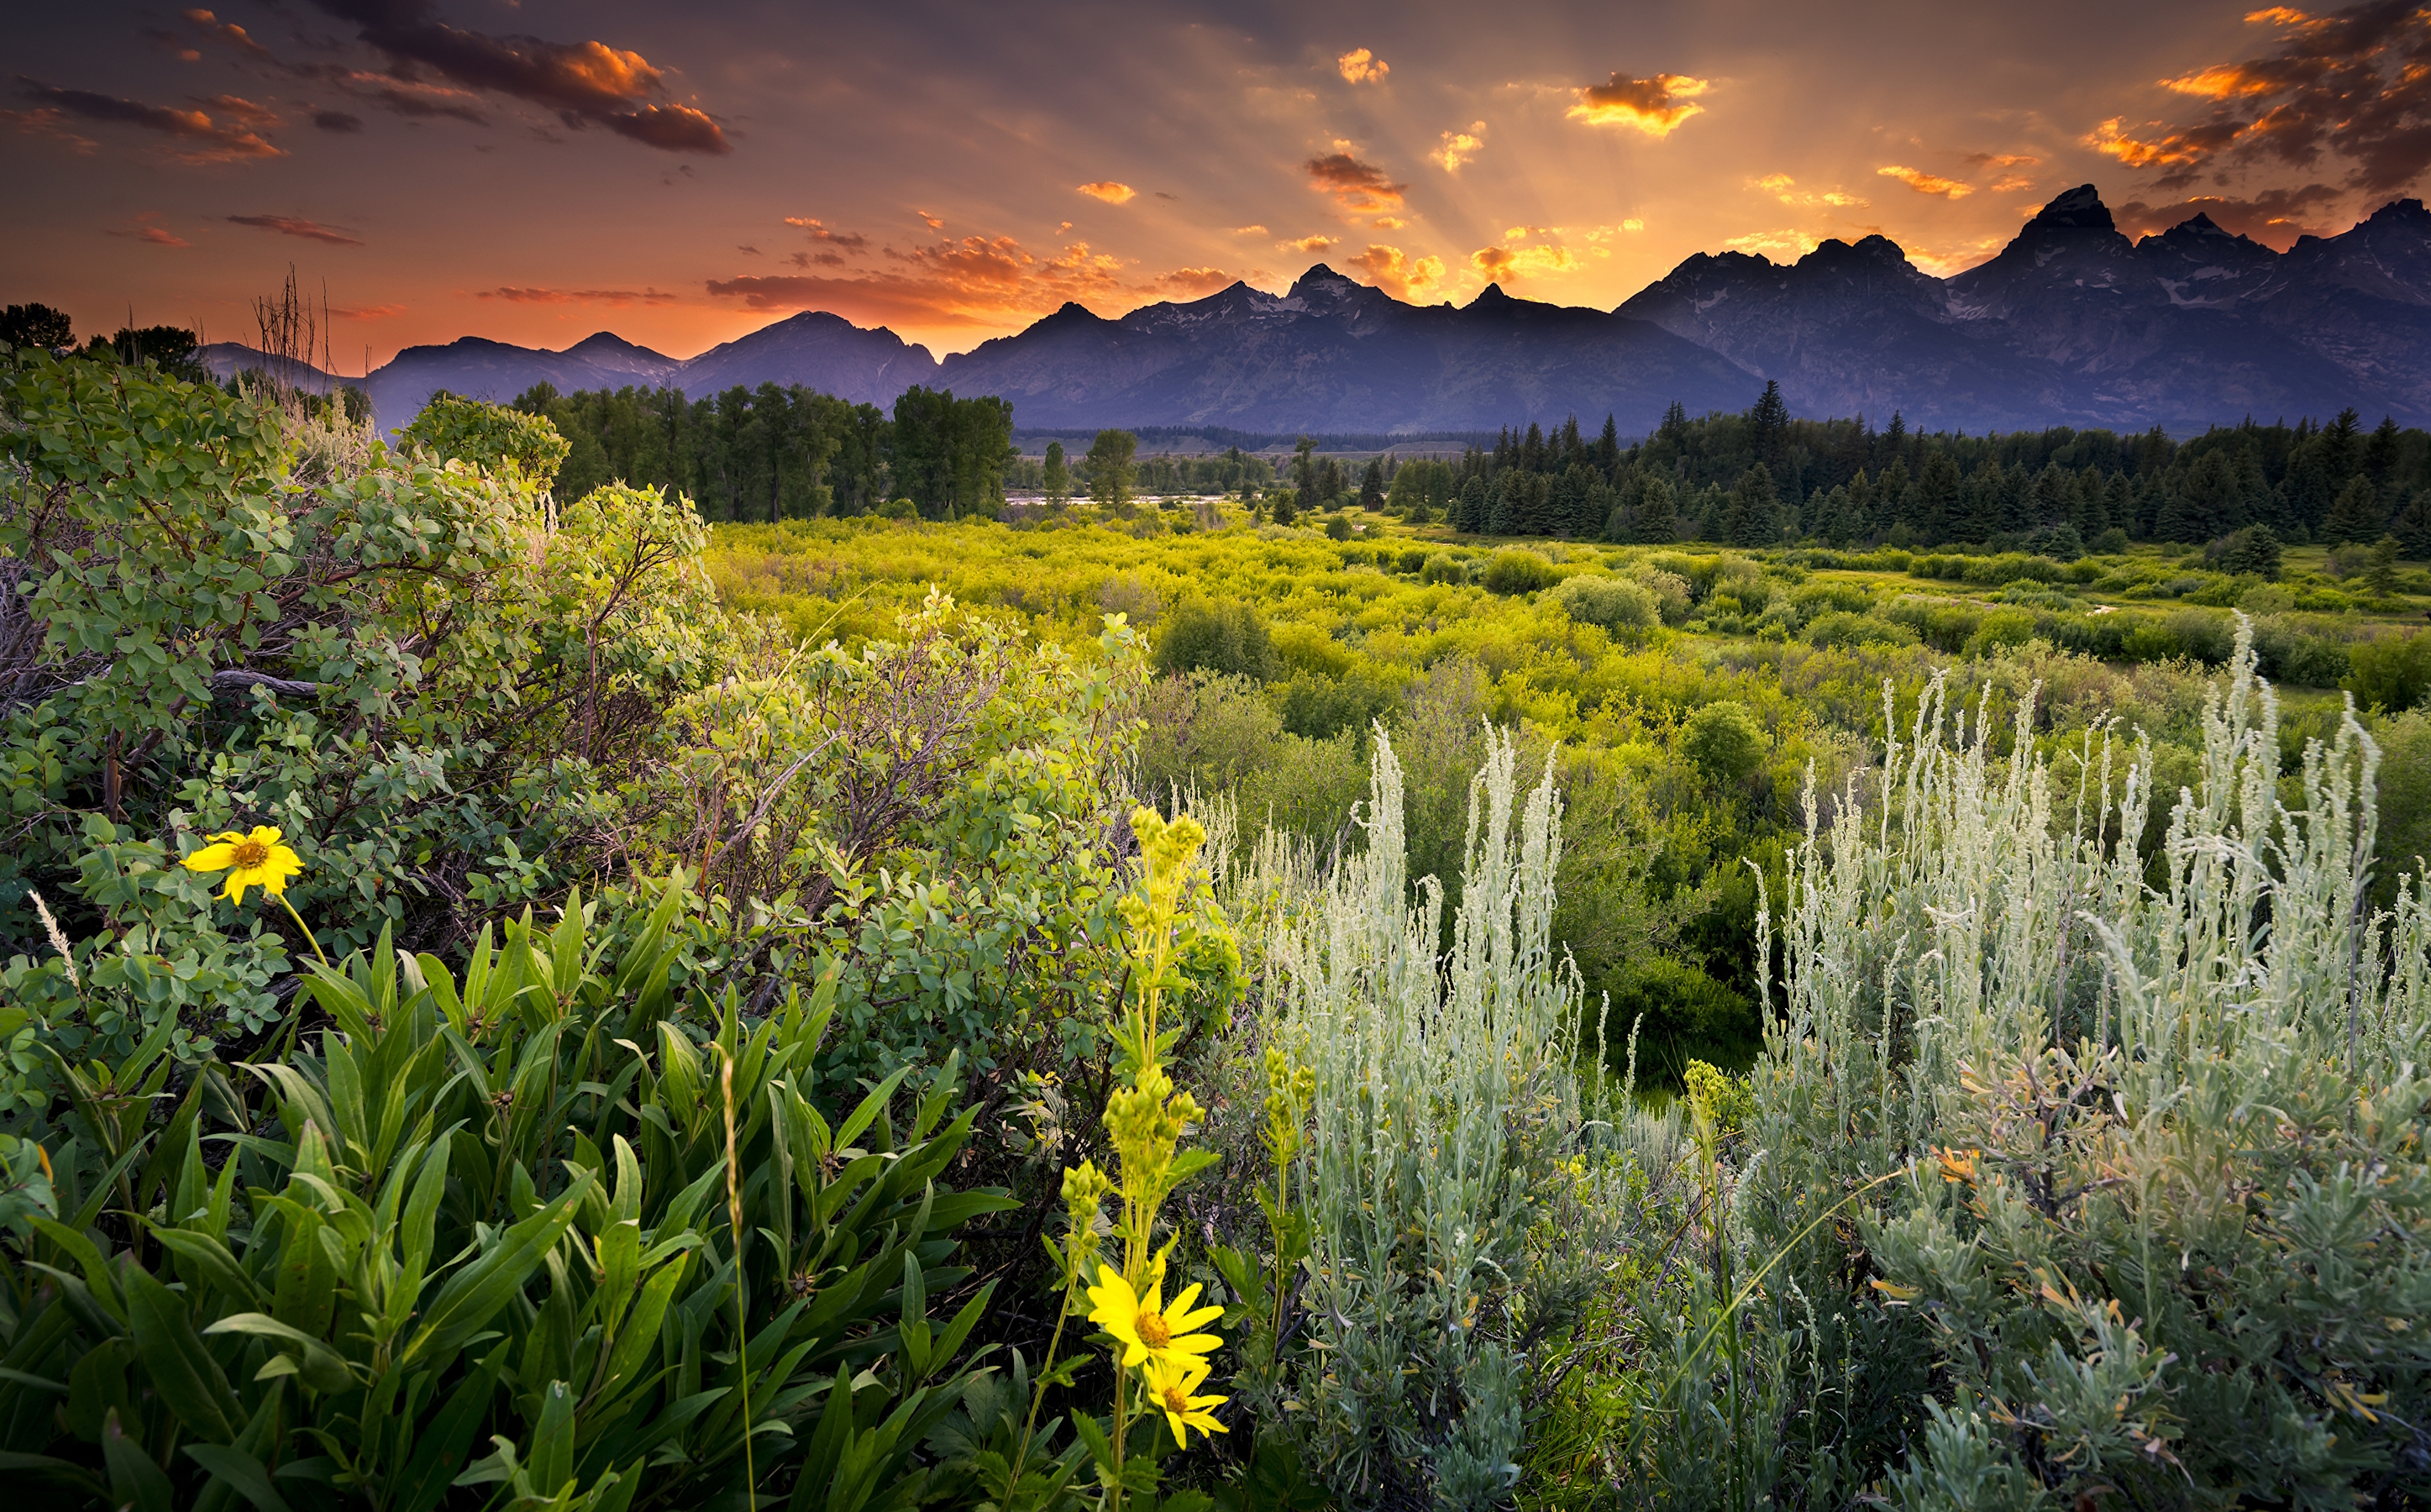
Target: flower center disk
<point>1152,1330</point>
<point>251,853</point>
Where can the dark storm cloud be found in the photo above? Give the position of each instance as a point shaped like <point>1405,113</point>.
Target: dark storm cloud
<point>337,121</point>
<point>2351,84</point>
<point>586,83</point>
<point>208,141</point>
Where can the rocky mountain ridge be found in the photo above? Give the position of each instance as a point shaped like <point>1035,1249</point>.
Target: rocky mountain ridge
<point>2071,323</point>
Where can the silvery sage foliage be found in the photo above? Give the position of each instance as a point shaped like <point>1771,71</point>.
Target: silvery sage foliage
<point>1446,1105</point>
<point>2164,1215</point>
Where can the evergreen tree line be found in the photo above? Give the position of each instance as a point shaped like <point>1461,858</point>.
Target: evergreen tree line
<point>1231,471</point>
<point>1763,477</point>
<point>774,453</point>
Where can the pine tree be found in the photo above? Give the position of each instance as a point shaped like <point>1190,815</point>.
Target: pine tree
<point>2356,516</point>
<point>1607,450</point>
<point>1372,486</point>
<point>1500,515</point>
<point>1937,500</point>
<point>1755,504</point>
<point>2305,494</point>
<point>2412,525</point>
<point>2380,452</point>
<point>2342,447</point>
<point>1657,522</point>
<point>1468,514</point>
<point>1057,474</point>
<point>1769,425</point>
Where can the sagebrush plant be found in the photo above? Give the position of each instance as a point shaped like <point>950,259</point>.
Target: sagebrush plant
<point>472,1245</point>
<point>2167,1228</point>
<point>1445,1111</point>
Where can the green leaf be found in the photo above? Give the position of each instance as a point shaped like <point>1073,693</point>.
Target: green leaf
<point>323,1368</point>
<point>439,1453</point>
<point>242,1470</point>
<point>474,1295</point>
<point>134,1480</point>
<point>182,1370</point>
<point>215,1264</point>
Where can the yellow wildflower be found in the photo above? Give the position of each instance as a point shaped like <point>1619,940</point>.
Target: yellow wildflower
<point>1170,1385</point>
<point>255,859</point>
<point>1145,1329</point>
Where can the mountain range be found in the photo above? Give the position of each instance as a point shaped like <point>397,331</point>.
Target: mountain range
<point>2071,323</point>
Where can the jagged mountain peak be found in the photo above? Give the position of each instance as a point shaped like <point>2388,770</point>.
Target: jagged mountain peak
<point>2080,209</point>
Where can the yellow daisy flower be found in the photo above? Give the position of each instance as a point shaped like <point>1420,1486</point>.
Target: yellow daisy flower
<point>1169,1387</point>
<point>255,859</point>
<point>1147,1329</point>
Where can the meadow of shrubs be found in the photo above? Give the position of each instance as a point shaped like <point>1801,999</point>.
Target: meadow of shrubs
<point>517,1001</point>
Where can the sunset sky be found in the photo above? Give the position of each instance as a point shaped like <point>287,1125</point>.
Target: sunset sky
<point>681,175</point>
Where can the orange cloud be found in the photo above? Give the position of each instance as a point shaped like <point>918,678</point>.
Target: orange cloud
<point>228,31</point>
<point>1785,189</point>
<point>585,83</point>
<point>2353,83</point>
<point>1499,262</point>
<point>975,282</point>
<point>1403,276</point>
<point>1925,183</point>
<point>1186,284</point>
<point>1657,106</point>
<point>48,122</point>
<point>210,142</point>
<point>1359,66</point>
<point>1459,147</point>
<point>1306,244</point>
<point>613,298</point>
<point>1111,193</point>
<point>1249,230</point>
<point>1786,244</point>
<point>247,113</point>
<point>1354,185</point>
<point>297,225</point>
<point>161,236</point>
<point>812,226</point>
<point>2177,148</point>
<point>2223,81</point>
<point>366,312</point>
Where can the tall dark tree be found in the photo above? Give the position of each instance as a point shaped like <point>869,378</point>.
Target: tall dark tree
<point>1608,449</point>
<point>1372,486</point>
<point>2356,516</point>
<point>1055,477</point>
<point>1755,509</point>
<point>1768,428</point>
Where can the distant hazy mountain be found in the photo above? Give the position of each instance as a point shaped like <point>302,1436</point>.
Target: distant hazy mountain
<point>822,351</point>
<point>2072,323</point>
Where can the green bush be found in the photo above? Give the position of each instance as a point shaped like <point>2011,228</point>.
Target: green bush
<point>2390,673</point>
<point>1677,1014</point>
<point>447,1249</point>
<point>400,663</point>
<point>1513,570</point>
<point>1443,568</point>
<point>1839,628</point>
<point>1219,635</point>
<point>1614,603</point>
<point>1723,741</point>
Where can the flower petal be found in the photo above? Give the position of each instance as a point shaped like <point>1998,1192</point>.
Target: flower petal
<point>218,856</point>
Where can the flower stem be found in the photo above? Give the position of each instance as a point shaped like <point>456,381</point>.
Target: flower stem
<point>301,925</point>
